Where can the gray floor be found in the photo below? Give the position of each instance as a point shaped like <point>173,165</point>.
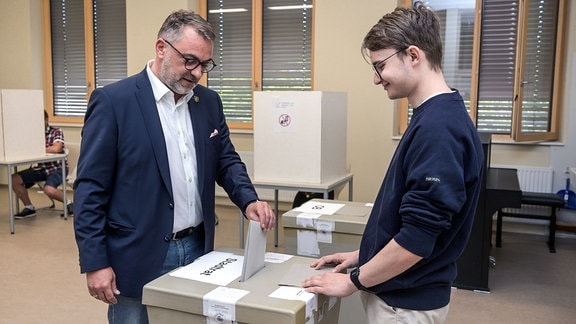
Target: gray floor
<point>40,281</point>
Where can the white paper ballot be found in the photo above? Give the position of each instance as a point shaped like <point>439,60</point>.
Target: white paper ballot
<point>219,305</point>
<point>218,268</point>
<point>254,252</point>
<point>318,207</point>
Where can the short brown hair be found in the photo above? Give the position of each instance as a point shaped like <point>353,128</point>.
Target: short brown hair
<point>418,26</point>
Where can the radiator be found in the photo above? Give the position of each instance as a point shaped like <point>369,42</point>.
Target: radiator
<point>264,194</point>
<point>534,179</point>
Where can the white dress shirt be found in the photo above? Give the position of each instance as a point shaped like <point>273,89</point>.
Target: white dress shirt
<point>181,150</point>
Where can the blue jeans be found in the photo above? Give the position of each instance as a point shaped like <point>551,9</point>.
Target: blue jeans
<point>180,253</point>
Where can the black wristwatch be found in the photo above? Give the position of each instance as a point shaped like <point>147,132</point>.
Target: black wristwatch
<point>354,274</point>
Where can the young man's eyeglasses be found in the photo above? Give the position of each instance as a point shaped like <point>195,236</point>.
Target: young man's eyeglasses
<point>191,62</point>
<point>377,66</point>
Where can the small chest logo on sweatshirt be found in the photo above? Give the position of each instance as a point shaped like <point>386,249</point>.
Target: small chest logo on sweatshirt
<point>433,179</point>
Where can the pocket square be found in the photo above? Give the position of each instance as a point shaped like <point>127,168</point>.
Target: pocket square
<point>214,133</point>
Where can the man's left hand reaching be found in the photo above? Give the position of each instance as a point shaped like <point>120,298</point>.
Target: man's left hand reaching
<point>261,211</point>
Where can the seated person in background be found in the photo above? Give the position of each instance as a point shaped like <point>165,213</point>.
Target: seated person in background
<point>50,172</point>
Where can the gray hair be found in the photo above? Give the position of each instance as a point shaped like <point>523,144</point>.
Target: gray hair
<point>177,20</point>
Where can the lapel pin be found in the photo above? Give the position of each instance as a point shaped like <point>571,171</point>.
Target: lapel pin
<point>196,99</point>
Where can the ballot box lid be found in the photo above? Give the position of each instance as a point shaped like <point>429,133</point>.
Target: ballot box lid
<point>350,218</point>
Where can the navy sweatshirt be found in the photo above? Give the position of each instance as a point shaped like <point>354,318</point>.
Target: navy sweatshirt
<point>427,202</point>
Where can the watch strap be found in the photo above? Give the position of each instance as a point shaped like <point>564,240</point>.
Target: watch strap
<point>354,274</point>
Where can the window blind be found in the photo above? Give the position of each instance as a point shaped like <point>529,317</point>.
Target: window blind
<point>538,80</point>
<point>286,45</point>
<point>498,64</point>
<point>109,41</point>
<point>232,77</point>
<point>69,64</point>
<point>68,57</point>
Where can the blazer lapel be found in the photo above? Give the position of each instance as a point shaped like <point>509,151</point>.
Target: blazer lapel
<point>199,123</point>
<point>153,127</point>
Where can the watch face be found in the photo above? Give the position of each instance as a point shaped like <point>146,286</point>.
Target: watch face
<point>354,277</point>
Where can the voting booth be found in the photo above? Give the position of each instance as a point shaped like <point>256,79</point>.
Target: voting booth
<point>299,136</point>
<point>21,124</point>
<point>240,286</point>
<point>320,227</point>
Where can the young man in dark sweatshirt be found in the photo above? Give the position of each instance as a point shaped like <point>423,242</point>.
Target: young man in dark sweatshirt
<point>423,214</point>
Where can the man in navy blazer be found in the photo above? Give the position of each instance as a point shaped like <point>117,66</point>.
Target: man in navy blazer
<point>153,147</point>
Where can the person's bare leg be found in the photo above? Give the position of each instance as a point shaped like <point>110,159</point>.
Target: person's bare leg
<point>54,193</point>
<point>20,190</point>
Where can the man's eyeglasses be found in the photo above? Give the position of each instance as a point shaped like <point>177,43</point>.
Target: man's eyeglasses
<point>376,66</point>
<point>191,63</point>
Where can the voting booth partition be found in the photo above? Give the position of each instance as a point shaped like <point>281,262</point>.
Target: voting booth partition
<point>321,227</point>
<point>299,136</point>
<point>21,124</point>
<point>209,291</point>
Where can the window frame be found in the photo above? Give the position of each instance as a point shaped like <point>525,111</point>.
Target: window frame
<point>90,60</point>
<point>516,135</point>
<point>556,102</point>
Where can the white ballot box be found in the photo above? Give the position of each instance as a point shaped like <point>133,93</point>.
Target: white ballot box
<point>209,291</point>
<point>299,136</point>
<point>320,227</point>
<point>21,124</point>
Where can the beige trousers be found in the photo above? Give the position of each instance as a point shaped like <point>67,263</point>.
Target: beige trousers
<point>378,312</point>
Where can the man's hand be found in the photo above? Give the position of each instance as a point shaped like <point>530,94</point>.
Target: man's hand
<point>330,284</point>
<point>261,212</point>
<point>333,283</point>
<point>341,261</point>
<point>102,285</point>
<point>56,147</point>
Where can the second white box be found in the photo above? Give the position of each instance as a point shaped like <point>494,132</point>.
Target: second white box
<point>22,134</point>
<point>299,136</point>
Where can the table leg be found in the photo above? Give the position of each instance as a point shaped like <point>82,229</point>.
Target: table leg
<point>350,188</point>
<point>64,189</point>
<point>241,230</point>
<point>277,217</point>
<point>14,201</point>
<point>10,200</point>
